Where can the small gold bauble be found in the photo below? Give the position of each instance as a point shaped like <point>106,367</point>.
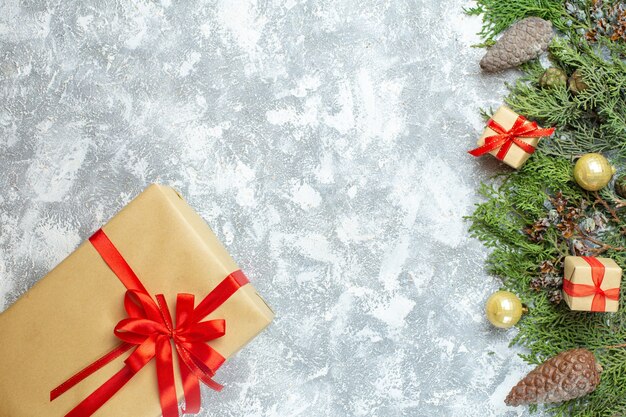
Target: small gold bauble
<point>504,309</point>
<point>593,172</point>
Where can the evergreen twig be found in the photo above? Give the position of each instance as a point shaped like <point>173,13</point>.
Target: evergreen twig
<point>592,121</point>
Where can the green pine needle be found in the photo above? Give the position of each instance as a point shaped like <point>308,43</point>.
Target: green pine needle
<point>498,15</point>
<point>592,121</point>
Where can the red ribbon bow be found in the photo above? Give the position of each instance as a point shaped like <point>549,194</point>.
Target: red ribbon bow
<point>584,290</point>
<point>504,139</point>
<point>150,330</point>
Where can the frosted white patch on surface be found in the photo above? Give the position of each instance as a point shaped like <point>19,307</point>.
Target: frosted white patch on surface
<point>56,165</point>
<point>343,119</point>
<point>325,143</point>
<point>187,66</point>
<point>243,20</point>
<point>83,22</point>
<point>305,196</point>
<point>394,312</point>
<point>307,84</point>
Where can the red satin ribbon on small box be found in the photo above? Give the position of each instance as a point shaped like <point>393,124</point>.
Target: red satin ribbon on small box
<point>584,290</point>
<point>149,329</point>
<point>504,139</point>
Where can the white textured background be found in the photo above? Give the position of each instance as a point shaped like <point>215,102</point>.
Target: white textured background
<point>325,143</point>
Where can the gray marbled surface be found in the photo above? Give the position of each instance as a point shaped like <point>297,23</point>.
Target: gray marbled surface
<point>325,143</point>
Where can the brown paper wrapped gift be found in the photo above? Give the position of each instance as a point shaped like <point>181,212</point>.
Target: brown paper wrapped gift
<point>65,322</point>
<point>515,156</point>
<point>591,284</point>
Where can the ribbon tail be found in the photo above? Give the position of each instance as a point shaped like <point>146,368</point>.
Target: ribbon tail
<point>86,372</point>
<point>191,388</point>
<point>202,371</point>
<point>205,376</point>
<point>165,377</point>
<point>504,149</point>
<point>599,303</point>
<point>491,143</point>
<point>95,400</point>
<point>191,383</point>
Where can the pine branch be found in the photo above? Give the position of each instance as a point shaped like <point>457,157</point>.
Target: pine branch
<point>594,120</point>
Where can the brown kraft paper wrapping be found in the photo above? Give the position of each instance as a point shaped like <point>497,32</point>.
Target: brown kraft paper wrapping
<point>516,156</point>
<point>579,272</point>
<point>65,322</point>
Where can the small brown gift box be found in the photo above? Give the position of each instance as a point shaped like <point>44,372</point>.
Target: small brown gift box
<point>515,156</point>
<point>65,322</point>
<point>591,284</point>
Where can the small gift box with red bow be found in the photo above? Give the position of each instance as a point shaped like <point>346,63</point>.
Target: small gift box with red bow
<point>591,284</point>
<point>132,322</point>
<point>510,138</point>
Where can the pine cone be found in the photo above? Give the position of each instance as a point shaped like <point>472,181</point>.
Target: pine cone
<point>588,225</point>
<point>559,202</point>
<point>555,296</point>
<point>523,41</point>
<point>568,375</point>
<point>547,267</point>
<point>536,230</point>
<point>553,280</point>
<point>537,284</point>
<point>576,83</point>
<point>620,187</point>
<point>600,218</point>
<point>553,216</point>
<point>553,78</point>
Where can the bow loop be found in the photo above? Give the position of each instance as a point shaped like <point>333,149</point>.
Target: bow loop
<point>149,329</point>
<point>203,331</point>
<point>140,305</point>
<point>143,354</point>
<point>504,138</point>
<point>152,322</point>
<point>184,309</point>
<point>136,331</point>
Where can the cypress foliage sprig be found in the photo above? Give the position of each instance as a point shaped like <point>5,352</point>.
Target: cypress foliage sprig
<point>499,15</point>
<point>592,121</point>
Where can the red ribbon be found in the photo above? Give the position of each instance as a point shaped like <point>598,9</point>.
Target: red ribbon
<point>504,139</point>
<point>149,329</point>
<point>584,290</point>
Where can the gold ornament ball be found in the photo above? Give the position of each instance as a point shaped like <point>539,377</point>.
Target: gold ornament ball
<point>593,172</point>
<point>504,309</point>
